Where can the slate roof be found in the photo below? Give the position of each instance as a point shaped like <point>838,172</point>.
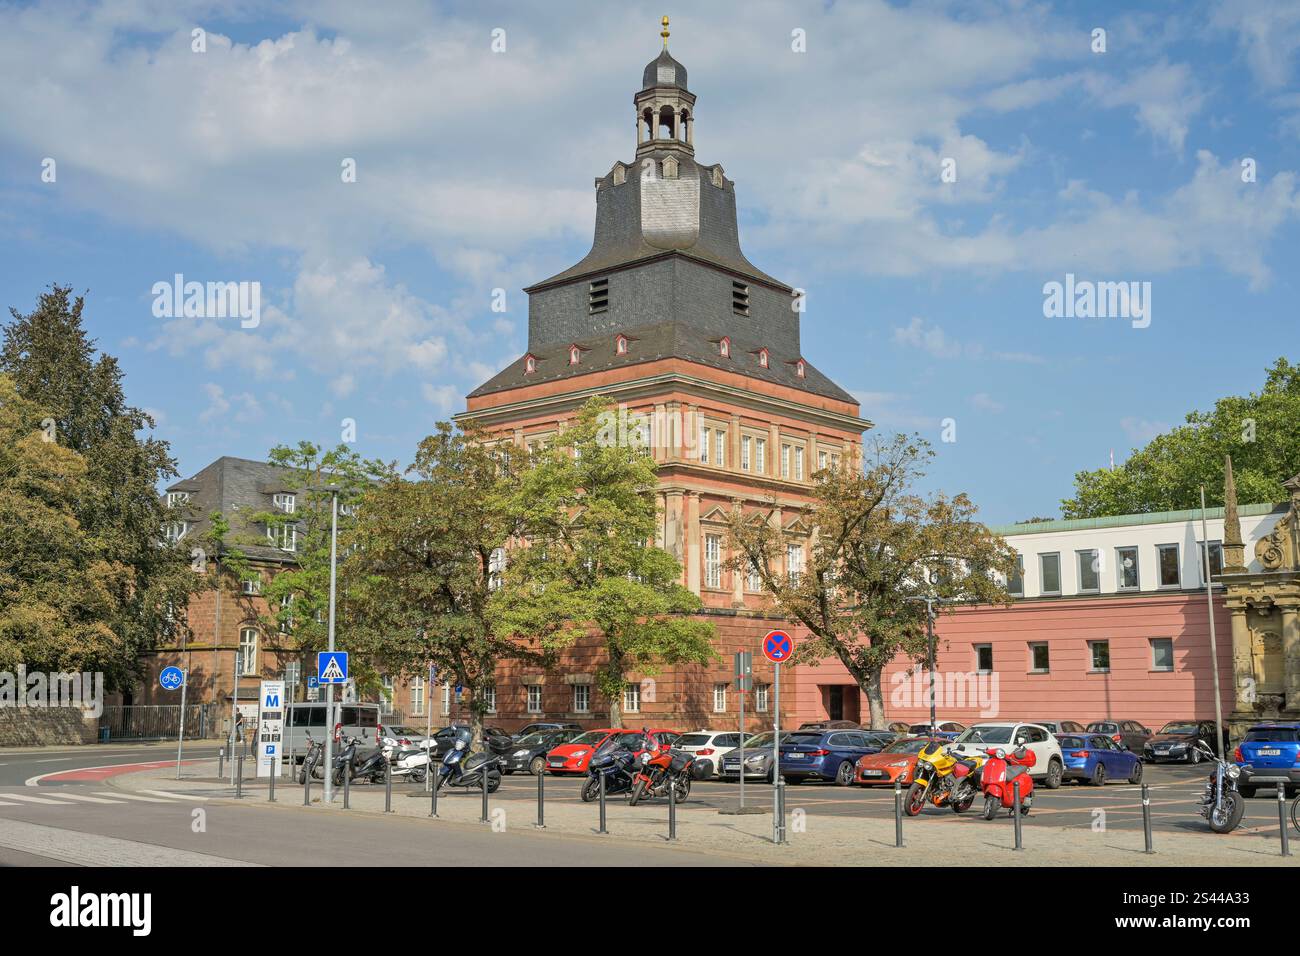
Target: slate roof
<point>655,342</point>
<point>235,487</point>
<point>663,70</point>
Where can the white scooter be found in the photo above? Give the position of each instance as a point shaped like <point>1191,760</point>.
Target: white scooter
<point>411,762</point>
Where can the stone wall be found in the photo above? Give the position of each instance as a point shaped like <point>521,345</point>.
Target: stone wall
<point>42,727</point>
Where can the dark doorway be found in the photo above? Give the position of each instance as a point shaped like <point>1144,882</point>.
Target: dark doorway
<point>835,703</point>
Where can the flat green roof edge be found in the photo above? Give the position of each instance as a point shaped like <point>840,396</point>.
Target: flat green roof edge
<point>1119,521</point>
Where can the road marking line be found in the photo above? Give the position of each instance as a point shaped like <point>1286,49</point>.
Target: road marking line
<point>129,796</point>
<point>26,799</point>
<point>3,804</point>
<point>175,796</point>
<point>86,799</point>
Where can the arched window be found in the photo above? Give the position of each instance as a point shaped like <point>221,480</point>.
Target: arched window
<point>248,650</point>
<point>724,347</point>
<point>762,357</point>
<point>620,345</point>
<point>575,355</point>
<point>799,368</point>
<point>530,364</point>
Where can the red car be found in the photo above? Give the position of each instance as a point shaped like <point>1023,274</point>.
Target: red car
<point>575,756</point>
<point>896,762</point>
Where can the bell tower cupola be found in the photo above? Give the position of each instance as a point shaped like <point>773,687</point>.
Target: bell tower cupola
<point>665,108</point>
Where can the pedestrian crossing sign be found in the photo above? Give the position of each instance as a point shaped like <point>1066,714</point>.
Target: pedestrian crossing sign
<point>332,666</point>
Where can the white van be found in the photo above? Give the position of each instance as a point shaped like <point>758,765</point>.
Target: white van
<point>358,720</point>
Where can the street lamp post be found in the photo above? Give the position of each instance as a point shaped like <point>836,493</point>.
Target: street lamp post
<point>1221,746</point>
<point>329,688</point>
<point>929,603</point>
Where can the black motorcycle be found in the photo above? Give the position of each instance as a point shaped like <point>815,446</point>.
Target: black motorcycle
<point>311,763</point>
<point>371,767</point>
<point>616,764</point>
<point>461,768</point>
<point>1221,804</point>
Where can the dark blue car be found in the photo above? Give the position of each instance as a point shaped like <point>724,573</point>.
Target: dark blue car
<point>1095,758</point>
<point>1269,756</point>
<point>824,754</point>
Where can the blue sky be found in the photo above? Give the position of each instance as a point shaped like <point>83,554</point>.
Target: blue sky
<point>474,172</point>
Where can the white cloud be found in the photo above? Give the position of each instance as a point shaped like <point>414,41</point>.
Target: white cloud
<point>986,403</point>
<point>936,342</point>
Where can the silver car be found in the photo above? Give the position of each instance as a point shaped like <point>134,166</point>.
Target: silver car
<point>758,759</point>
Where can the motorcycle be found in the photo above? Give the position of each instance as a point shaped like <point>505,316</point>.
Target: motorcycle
<point>410,762</point>
<point>658,772</point>
<point>370,768</point>
<point>460,768</point>
<point>1221,804</point>
<point>311,762</point>
<point>943,779</point>
<point>616,764</point>
<point>998,777</point>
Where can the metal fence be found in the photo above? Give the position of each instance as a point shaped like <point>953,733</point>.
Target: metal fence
<point>158,721</point>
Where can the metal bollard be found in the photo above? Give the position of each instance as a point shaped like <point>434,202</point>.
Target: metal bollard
<point>306,786</point>
<point>271,797</point>
<point>1146,817</point>
<point>1281,819</point>
<point>672,812</point>
<point>221,762</point>
<point>239,777</point>
<point>1015,811</point>
<point>433,800</point>
<point>898,813</point>
<point>602,805</point>
<point>388,787</point>
<point>483,779</point>
<point>541,801</point>
<point>347,787</point>
<point>778,824</point>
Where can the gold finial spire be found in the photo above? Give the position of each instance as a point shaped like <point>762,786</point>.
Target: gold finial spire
<point>664,34</point>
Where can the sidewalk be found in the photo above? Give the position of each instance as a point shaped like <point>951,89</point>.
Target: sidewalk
<point>813,840</point>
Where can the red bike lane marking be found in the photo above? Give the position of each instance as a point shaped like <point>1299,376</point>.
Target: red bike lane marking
<point>84,774</point>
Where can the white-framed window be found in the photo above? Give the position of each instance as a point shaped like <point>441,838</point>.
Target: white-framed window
<point>798,463</point>
<point>724,347</point>
<point>706,439</point>
<point>496,568</point>
<point>446,697</point>
<point>1049,567</point>
<point>760,455</point>
<point>1099,656</point>
<point>490,698</point>
<point>719,698</point>
<point>753,579</point>
<point>581,698</point>
<point>283,536</point>
<point>534,702</point>
<point>173,531</point>
<point>799,368</point>
<point>1169,565</point>
<point>250,586</point>
<point>1162,653</point>
<point>1040,661</point>
<point>1089,570</point>
<point>720,454</point>
<point>285,502</point>
<point>1216,561</point>
<point>1016,585</point>
<point>247,651</point>
<point>1126,571</point>
<point>762,358</point>
<point>787,457</point>
<point>177,498</point>
<point>793,562</point>
<point>417,695</point>
<point>286,619</point>
<point>761,695</point>
<point>713,560</point>
<point>746,452</point>
<point>389,686</point>
<point>632,699</point>
<point>823,459</point>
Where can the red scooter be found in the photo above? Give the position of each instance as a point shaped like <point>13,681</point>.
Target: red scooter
<point>998,778</point>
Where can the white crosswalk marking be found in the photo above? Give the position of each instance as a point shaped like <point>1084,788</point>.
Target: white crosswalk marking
<point>175,796</point>
<point>3,804</point>
<point>129,796</point>
<point>85,799</point>
<point>26,799</point>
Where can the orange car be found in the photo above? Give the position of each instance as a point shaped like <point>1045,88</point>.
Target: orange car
<point>575,756</point>
<point>895,763</point>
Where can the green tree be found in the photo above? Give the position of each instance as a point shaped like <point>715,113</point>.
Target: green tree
<point>587,509</point>
<point>874,547</point>
<point>59,586</point>
<point>1261,431</point>
<point>424,566</point>
<point>54,364</point>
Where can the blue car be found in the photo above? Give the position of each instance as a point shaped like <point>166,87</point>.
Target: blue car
<point>1269,756</point>
<point>824,754</point>
<point>1095,758</point>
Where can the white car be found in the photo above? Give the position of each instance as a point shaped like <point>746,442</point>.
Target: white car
<point>708,748</point>
<point>1049,766</point>
<point>401,737</point>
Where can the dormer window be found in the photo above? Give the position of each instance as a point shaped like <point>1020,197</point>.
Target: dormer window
<point>620,345</point>
<point>762,358</point>
<point>598,296</point>
<point>177,498</point>
<point>799,368</point>
<point>739,298</point>
<point>575,355</point>
<point>284,502</point>
<point>530,364</point>
<point>724,347</point>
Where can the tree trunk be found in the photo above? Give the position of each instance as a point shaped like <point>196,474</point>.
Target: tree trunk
<point>875,700</point>
<point>616,710</point>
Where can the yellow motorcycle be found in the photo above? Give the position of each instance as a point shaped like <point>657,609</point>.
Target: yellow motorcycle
<point>943,779</point>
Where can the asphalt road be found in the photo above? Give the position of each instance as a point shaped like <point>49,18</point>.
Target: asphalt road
<point>17,766</point>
